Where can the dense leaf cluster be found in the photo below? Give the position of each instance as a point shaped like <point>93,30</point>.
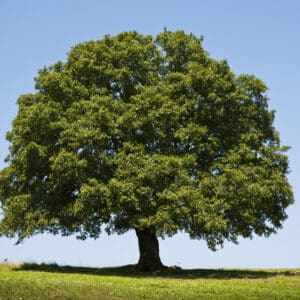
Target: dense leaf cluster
<point>135,132</point>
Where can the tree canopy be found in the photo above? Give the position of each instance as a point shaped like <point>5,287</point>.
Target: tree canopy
<point>145,133</point>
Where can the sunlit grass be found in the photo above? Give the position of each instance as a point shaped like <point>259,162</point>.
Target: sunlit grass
<point>32,281</point>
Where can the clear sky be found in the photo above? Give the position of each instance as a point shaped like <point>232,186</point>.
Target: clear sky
<point>256,37</point>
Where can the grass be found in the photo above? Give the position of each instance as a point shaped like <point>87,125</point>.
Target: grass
<point>34,282</point>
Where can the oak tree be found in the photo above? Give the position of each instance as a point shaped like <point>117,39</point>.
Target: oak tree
<point>144,133</point>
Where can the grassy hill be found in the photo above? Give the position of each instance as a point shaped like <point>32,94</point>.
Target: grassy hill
<point>32,281</point>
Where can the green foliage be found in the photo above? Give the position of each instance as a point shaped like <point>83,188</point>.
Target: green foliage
<point>135,132</point>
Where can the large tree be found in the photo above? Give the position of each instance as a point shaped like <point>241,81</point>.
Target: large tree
<point>149,134</point>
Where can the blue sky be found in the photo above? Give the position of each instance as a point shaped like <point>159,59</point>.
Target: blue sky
<point>256,37</point>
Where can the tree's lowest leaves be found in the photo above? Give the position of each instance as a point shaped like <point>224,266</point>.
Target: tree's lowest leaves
<point>144,133</point>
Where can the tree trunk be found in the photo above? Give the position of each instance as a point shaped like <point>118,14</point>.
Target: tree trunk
<point>149,251</point>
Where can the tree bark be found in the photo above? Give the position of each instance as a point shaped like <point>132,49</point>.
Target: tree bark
<point>149,251</point>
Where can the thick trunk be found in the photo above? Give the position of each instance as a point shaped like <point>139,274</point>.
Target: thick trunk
<point>149,251</point>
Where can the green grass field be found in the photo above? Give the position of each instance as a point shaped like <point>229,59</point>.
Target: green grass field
<point>32,281</point>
